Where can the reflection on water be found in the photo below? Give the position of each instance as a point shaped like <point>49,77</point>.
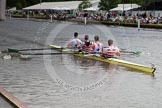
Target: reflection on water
<point>80,74</point>
<point>93,64</point>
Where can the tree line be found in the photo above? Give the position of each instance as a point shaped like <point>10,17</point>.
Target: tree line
<point>103,5</point>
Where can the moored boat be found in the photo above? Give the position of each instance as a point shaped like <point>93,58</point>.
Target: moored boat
<point>116,61</point>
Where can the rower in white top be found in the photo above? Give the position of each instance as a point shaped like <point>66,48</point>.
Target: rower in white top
<point>75,43</point>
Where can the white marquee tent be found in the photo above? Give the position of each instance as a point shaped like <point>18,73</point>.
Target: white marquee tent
<point>125,7</point>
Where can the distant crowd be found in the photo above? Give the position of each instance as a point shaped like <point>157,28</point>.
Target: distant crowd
<point>118,17</point>
<point>98,16</point>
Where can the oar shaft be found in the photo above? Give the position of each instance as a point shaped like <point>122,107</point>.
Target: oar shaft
<point>11,50</point>
<point>132,52</point>
<point>31,49</point>
<point>49,53</point>
<point>41,53</point>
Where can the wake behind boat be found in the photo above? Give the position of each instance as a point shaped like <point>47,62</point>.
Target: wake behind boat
<point>135,66</point>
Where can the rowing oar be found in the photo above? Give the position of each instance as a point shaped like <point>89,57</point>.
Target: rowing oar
<point>30,49</point>
<point>52,53</point>
<point>131,52</point>
<point>18,51</point>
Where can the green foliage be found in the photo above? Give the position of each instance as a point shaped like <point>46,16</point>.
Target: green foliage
<point>108,4</point>
<point>18,5</point>
<point>84,4</point>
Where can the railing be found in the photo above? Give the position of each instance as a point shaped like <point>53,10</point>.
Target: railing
<point>11,99</point>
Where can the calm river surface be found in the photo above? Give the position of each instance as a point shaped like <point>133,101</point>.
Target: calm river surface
<point>65,81</point>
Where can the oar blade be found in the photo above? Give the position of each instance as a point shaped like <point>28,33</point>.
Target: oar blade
<point>13,50</point>
<point>138,52</point>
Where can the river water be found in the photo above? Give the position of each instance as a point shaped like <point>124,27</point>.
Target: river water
<point>65,81</point>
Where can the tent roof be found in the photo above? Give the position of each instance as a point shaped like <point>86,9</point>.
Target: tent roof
<point>67,5</point>
<point>70,5</point>
<point>125,7</point>
<point>12,9</point>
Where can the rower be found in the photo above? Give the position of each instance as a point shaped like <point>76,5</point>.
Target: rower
<point>97,46</point>
<point>75,43</point>
<point>87,45</point>
<point>111,50</point>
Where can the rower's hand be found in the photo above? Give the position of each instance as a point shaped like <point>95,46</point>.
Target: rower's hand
<point>101,53</point>
<point>118,53</point>
<point>79,47</point>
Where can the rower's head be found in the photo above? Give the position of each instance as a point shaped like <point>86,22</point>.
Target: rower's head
<point>75,34</point>
<point>86,37</point>
<point>110,42</point>
<point>87,42</point>
<point>96,38</point>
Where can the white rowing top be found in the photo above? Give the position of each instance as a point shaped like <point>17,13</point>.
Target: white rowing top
<point>75,42</point>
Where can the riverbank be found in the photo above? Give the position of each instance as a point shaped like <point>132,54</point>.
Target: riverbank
<point>124,24</point>
<point>154,26</point>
